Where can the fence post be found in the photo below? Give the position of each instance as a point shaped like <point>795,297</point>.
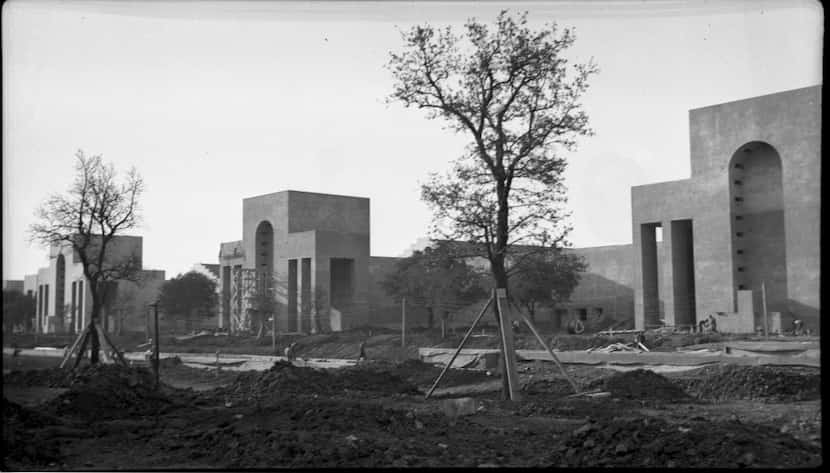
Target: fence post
<point>764,306</point>
<point>403,322</point>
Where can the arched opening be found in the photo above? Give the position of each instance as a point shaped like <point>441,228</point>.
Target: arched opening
<point>264,261</point>
<point>264,242</point>
<point>757,219</point>
<point>264,254</point>
<point>60,282</point>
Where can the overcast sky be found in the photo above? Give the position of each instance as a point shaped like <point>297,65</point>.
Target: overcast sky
<point>217,101</point>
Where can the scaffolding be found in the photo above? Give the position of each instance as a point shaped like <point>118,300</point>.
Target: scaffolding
<point>247,286</point>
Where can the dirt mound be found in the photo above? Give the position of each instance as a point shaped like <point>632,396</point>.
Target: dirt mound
<point>332,433</point>
<point>49,377</point>
<point>754,382</point>
<point>653,442</point>
<point>108,391</point>
<point>17,414</point>
<point>640,384</point>
<point>22,447</point>
<point>284,377</point>
<point>424,374</point>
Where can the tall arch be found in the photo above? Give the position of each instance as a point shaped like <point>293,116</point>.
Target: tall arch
<point>60,286</point>
<point>264,251</point>
<point>758,226</point>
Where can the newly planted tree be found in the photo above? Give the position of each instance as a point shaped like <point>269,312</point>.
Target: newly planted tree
<point>88,218</point>
<point>510,89</point>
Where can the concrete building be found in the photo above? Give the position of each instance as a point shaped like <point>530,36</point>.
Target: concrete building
<point>311,250</point>
<point>13,285</point>
<point>62,295</point>
<point>748,216</point>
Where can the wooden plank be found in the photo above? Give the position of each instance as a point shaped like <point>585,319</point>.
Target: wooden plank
<point>460,346</point>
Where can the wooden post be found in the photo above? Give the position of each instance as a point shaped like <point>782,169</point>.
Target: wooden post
<point>68,354</point>
<point>82,348</point>
<point>274,333</point>
<point>112,346</point>
<point>508,351</point>
<point>460,346</point>
<point>403,322</point>
<point>764,307</point>
<point>156,341</point>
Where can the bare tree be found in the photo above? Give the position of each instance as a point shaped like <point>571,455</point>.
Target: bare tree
<point>88,218</point>
<point>511,91</point>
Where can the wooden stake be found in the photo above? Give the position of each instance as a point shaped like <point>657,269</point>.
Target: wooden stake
<point>511,374</point>
<point>68,355</point>
<point>547,348</point>
<point>119,356</point>
<point>83,347</point>
<point>460,346</point>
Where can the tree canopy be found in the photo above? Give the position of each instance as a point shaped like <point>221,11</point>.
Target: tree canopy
<point>436,279</point>
<point>188,295</point>
<point>18,309</point>
<point>511,91</point>
<point>545,280</point>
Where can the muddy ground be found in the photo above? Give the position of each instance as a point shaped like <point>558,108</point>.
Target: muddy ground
<point>375,415</point>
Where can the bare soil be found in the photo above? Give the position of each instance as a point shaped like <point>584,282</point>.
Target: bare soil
<point>375,414</point>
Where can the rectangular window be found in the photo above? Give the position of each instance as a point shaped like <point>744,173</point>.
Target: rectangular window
<point>583,314</point>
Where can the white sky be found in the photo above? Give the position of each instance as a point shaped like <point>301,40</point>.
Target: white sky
<point>217,101</point>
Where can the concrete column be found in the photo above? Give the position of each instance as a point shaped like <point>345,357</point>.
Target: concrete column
<point>304,296</point>
<point>321,278</point>
<point>38,308</point>
<point>650,276</point>
<point>666,284</point>
<point>683,281</point>
<point>292,315</point>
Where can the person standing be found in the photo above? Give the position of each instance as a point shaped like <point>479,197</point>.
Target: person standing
<point>362,355</point>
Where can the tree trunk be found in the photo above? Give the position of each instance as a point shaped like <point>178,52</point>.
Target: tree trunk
<point>430,318</point>
<point>95,344</point>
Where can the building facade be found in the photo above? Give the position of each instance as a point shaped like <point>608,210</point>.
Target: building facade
<point>739,237</point>
<point>309,251</point>
<point>62,296</point>
<point>747,219</point>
